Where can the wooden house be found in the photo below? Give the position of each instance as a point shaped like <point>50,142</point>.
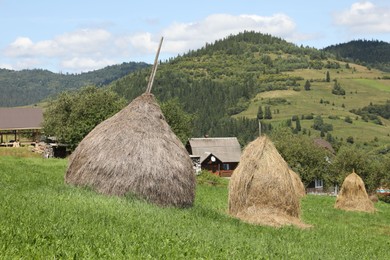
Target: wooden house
<point>317,185</point>
<point>217,155</point>
<point>17,121</point>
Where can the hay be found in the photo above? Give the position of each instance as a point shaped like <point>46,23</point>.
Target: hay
<point>261,188</point>
<point>374,198</point>
<point>297,184</point>
<point>135,152</point>
<point>353,195</point>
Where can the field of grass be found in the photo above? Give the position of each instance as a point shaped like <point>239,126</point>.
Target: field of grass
<point>362,87</point>
<point>18,152</point>
<point>42,218</point>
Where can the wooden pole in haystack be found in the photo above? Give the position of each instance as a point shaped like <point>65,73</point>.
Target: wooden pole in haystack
<point>135,152</point>
<point>154,69</point>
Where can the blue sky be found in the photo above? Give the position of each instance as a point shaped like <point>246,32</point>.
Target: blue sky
<point>83,35</point>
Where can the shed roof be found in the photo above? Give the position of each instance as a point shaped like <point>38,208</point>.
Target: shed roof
<point>324,144</point>
<point>227,149</point>
<point>21,118</point>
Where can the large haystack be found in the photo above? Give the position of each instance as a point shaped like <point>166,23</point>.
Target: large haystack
<point>297,183</point>
<point>261,189</point>
<point>135,151</point>
<point>353,195</point>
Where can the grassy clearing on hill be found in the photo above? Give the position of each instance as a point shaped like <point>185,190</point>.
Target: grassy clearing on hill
<point>41,217</point>
<point>362,86</point>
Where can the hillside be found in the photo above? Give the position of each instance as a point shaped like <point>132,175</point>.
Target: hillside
<point>225,82</point>
<point>369,53</point>
<point>27,87</point>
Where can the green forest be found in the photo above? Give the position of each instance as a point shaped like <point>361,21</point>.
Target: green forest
<point>26,87</point>
<point>372,53</point>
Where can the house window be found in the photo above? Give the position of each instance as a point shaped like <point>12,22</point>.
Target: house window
<point>226,166</point>
<point>318,183</point>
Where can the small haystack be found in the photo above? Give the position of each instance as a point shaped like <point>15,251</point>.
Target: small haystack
<point>136,152</point>
<point>353,195</point>
<point>297,183</point>
<point>261,189</point>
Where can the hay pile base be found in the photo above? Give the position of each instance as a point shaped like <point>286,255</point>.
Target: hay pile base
<point>353,195</point>
<point>297,183</point>
<point>261,188</point>
<point>136,152</point>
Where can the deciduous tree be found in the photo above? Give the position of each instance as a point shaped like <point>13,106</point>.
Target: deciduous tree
<point>72,115</point>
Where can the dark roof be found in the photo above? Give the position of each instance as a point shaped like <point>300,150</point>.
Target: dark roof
<point>324,144</point>
<point>227,149</point>
<point>21,118</point>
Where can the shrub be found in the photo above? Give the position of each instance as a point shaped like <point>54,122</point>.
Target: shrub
<point>348,120</point>
<point>384,198</point>
<point>208,178</point>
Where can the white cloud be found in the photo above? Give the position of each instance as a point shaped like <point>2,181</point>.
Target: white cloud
<point>85,64</point>
<point>365,17</point>
<point>184,36</point>
<point>87,49</point>
<point>73,43</point>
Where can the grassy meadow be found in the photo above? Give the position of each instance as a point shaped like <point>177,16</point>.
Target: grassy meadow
<point>42,218</point>
<point>362,86</point>
<point>18,152</point>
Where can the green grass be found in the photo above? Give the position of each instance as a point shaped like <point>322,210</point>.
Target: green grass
<point>18,152</point>
<point>42,218</point>
<point>362,88</point>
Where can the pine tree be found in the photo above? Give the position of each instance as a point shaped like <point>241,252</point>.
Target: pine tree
<point>327,76</point>
<point>260,114</point>
<point>267,113</point>
<point>307,85</point>
<point>298,124</point>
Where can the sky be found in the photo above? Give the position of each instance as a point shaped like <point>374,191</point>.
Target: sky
<point>76,36</point>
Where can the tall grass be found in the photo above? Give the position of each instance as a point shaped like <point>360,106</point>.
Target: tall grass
<point>42,218</point>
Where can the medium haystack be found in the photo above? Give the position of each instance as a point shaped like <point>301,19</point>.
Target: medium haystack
<point>261,189</point>
<point>297,183</point>
<point>135,151</point>
<point>353,195</point>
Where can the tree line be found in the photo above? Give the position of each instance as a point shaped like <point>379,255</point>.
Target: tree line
<point>27,87</point>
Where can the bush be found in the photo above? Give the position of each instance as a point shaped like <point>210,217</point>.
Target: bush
<point>208,178</point>
<point>384,198</point>
<point>348,120</point>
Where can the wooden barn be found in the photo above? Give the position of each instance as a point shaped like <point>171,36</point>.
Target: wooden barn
<point>217,155</point>
<point>15,122</point>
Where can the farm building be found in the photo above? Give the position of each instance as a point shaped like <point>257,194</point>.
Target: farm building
<point>317,185</point>
<point>218,155</point>
<point>17,121</point>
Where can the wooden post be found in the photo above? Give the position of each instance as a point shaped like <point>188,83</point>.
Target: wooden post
<point>259,127</point>
<point>154,69</point>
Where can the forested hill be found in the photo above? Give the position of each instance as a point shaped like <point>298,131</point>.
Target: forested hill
<point>27,87</point>
<point>219,80</point>
<point>372,53</point>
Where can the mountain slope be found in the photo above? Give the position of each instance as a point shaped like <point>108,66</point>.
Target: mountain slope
<point>222,84</point>
<point>30,86</point>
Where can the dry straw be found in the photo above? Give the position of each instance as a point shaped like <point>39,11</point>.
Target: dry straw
<point>135,151</point>
<point>353,195</point>
<point>261,189</point>
<point>297,183</point>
